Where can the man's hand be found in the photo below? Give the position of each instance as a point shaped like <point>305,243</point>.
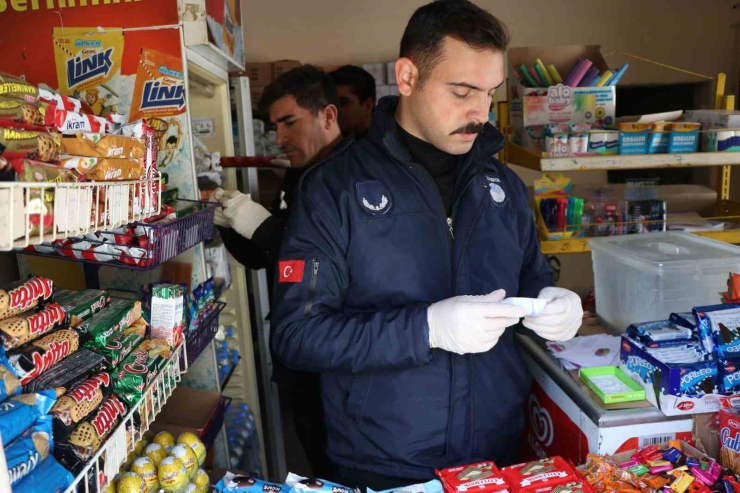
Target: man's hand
<point>470,324</point>
<point>238,211</point>
<point>561,318</point>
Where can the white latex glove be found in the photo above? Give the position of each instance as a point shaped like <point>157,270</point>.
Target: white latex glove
<point>220,219</point>
<point>242,214</point>
<point>561,318</point>
<point>470,324</point>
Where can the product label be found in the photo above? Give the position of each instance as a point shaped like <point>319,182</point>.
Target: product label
<point>41,363</point>
<point>47,318</point>
<point>107,415</point>
<point>85,392</point>
<point>23,296</point>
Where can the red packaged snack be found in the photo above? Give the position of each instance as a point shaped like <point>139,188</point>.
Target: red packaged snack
<point>35,358</point>
<point>69,122</point>
<point>532,476</point>
<point>26,327</point>
<point>23,295</point>
<point>729,439</point>
<point>480,477</point>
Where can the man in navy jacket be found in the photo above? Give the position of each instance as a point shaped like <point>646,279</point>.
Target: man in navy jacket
<point>398,253</point>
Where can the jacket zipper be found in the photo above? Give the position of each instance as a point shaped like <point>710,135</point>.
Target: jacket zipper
<point>448,220</point>
<point>312,286</point>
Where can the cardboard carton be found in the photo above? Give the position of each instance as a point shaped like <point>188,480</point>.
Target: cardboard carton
<point>282,66</point>
<point>260,74</point>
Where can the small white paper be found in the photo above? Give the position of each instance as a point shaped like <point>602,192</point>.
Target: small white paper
<point>587,351</point>
<point>533,307</point>
<point>204,126</point>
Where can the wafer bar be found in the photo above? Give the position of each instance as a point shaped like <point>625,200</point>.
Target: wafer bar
<point>23,295</point>
<point>111,320</point>
<point>36,358</point>
<point>28,326</point>
<point>139,369</point>
<point>68,372</point>
<point>82,305</point>
<point>79,403</point>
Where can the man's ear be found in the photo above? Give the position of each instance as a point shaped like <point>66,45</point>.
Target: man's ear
<point>407,76</point>
<point>331,113</point>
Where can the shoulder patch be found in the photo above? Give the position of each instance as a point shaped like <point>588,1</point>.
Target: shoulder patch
<point>374,197</point>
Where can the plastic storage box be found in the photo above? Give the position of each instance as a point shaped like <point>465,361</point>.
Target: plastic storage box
<point>646,277</point>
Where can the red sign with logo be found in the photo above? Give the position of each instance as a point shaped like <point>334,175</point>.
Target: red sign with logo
<point>550,432</point>
<point>291,270</point>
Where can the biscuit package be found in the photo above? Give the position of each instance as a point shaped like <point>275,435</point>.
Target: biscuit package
<point>102,146</point>
<point>78,403</point>
<point>121,344</point>
<point>20,412</point>
<point>49,477</point>
<point>137,371</point>
<point>103,326</point>
<point>483,477</point>
<point>23,295</point>
<point>17,88</point>
<point>533,476</point>
<point>68,372</point>
<point>26,452</point>
<point>299,484</point>
<point>69,122</point>
<point>18,111</point>
<point>36,358</point>
<point>237,483</point>
<point>86,58</point>
<point>104,169</point>
<point>10,383</point>
<point>82,305</point>
<point>21,144</point>
<point>28,326</point>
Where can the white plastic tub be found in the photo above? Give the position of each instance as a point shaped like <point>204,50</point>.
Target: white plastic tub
<point>646,277</point>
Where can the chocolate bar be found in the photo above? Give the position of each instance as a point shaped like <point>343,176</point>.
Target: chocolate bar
<point>68,373</point>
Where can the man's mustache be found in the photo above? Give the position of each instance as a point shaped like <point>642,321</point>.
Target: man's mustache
<point>470,128</point>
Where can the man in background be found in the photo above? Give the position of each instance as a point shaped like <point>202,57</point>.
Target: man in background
<point>302,104</point>
<point>356,90</point>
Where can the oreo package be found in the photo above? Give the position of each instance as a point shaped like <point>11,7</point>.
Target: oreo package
<point>90,435</point>
<point>77,404</point>
<point>20,412</point>
<point>68,372</point>
<point>49,477</point>
<point>718,328</point>
<point>27,451</point>
<point>729,375</point>
<point>299,484</point>
<point>238,483</point>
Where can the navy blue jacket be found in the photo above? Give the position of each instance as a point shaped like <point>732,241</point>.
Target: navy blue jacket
<point>378,250</point>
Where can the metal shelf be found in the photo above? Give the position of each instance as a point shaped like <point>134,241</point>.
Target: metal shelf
<point>520,156</point>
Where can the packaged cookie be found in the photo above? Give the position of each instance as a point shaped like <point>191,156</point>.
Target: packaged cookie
<point>78,403</point>
<point>28,326</point>
<point>69,122</point>
<point>59,100</point>
<point>20,111</point>
<point>104,169</point>
<point>10,383</point>
<point>23,295</point>
<point>22,144</point>
<point>27,451</point>
<point>49,477</point>
<point>532,476</point>
<point>121,344</point>
<point>482,476</point>
<point>298,484</point>
<point>19,413</point>
<point>17,88</point>
<point>136,372</point>
<point>110,321</point>
<point>89,435</point>
<point>239,483</point>
<point>36,358</point>
<point>82,305</point>
<point>103,146</point>
<point>68,372</point>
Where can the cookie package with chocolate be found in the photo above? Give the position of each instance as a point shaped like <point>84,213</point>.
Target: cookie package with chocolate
<point>102,326</point>
<point>77,404</point>
<point>68,372</point>
<point>10,382</point>
<point>19,413</point>
<point>28,326</point>
<point>482,476</point>
<point>121,344</point>
<point>20,296</point>
<point>532,476</point>
<point>239,483</point>
<point>138,370</point>
<point>82,305</point>
<point>29,144</point>
<point>27,451</point>
<point>20,112</point>
<point>36,358</point>
<point>89,435</point>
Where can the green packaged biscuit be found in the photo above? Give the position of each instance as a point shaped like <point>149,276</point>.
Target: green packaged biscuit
<point>122,343</point>
<point>104,325</point>
<point>82,305</point>
<point>139,368</point>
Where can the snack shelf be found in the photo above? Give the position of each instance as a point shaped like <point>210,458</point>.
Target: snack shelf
<point>515,154</point>
<point>78,208</point>
<point>105,464</point>
<point>580,245</point>
<point>199,340</point>
<point>148,246</point>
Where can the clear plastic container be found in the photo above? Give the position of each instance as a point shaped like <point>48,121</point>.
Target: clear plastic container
<point>646,277</point>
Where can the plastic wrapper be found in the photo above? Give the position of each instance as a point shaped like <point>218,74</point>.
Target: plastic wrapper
<point>82,305</point>
<point>20,412</point>
<point>300,484</point>
<point>10,382</point>
<point>482,476</point>
<point>23,295</point>
<point>22,144</point>
<point>237,483</point>
<point>103,146</point>
<point>69,122</point>
<point>20,329</point>
<point>136,372</point>
<point>77,404</point>
<point>122,343</point>
<point>36,358</point>
<point>104,325</point>
<point>20,111</point>
<point>15,87</point>
<point>90,435</point>
<point>68,373</point>
<point>104,169</point>
<point>530,476</point>
<point>49,477</point>
<point>26,452</point>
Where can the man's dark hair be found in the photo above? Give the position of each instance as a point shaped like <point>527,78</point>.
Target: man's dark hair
<point>459,19</point>
<point>171,140</point>
<point>359,80</point>
<point>312,89</point>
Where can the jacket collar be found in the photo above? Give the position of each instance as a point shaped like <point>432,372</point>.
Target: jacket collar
<point>384,131</point>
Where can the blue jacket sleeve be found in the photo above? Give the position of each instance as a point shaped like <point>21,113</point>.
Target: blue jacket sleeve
<point>312,329</point>
<point>536,271</point>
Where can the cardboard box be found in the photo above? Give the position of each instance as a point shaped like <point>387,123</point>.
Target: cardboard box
<point>533,108</point>
<point>282,66</point>
<point>377,70</point>
<point>260,74</point>
<point>197,411</point>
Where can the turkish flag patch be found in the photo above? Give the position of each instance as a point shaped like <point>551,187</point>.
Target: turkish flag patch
<point>291,270</point>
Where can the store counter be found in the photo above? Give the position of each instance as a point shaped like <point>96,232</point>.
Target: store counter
<point>565,418</point>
